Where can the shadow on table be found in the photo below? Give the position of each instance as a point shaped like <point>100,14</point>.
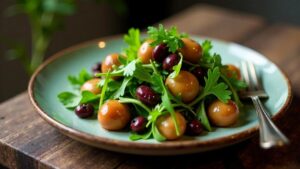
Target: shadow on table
<point>2,167</point>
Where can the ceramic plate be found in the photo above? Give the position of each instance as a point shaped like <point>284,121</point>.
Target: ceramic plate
<point>51,79</point>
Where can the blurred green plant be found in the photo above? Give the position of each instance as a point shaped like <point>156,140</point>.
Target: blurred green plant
<point>45,17</point>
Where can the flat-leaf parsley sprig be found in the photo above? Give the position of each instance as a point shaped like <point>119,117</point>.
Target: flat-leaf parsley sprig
<point>170,37</point>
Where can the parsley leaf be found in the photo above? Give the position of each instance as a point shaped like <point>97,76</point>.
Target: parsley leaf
<point>177,68</point>
<point>130,68</point>
<point>209,60</point>
<point>206,47</point>
<point>213,87</point>
<point>153,130</point>
<point>137,70</point>
<point>68,99</point>
<point>112,85</point>
<point>233,90</point>
<point>142,73</point>
<point>134,43</point>
<point>171,37</point>
<point>121,91</point>
<point>80,79</point>
<point>88,96</point>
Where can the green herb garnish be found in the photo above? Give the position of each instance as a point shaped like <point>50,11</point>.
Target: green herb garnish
<point>134,43</point>
<point>80,79</point>
<point>171,37</point>
<point>213,87</point>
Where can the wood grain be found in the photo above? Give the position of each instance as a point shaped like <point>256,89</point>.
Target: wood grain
<point>281,44</point>
<point>216,22</point>
<point>27,143</point>
<point>35,144</point>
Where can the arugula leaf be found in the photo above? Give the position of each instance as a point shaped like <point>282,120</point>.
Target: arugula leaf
<point>104,88</point>
<point>177,67</point>
<point>136,136</point>
<point>121,90</point>
<point>171,37</point>
<point>166,101</point>
<point>201,115</point>
<point>80,79</point>
<point>156,134</point>
<point>68,99</point>
<point>155,78</point>
<point>87,96</point>
<point>134,43</point>
<point>134,101</point>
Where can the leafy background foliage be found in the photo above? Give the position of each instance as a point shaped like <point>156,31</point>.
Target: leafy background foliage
<point>45,18</point>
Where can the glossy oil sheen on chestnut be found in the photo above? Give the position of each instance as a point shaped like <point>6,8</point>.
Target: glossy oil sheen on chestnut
<point>26,141</point>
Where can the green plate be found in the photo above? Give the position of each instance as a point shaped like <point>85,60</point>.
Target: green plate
<point>51,79</point>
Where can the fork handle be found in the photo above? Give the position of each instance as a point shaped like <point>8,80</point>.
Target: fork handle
<point>270,135</point>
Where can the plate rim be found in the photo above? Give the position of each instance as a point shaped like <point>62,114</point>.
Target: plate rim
<point>182,144</point>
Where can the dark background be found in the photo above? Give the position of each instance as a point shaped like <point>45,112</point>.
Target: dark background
<point>93,20</point>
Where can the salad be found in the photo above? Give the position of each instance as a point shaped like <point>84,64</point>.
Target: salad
<point>163,85</point>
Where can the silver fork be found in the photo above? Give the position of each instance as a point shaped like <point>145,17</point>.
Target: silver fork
<point>270,135</point>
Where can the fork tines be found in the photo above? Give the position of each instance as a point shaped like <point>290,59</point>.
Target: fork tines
<point>250,77</point>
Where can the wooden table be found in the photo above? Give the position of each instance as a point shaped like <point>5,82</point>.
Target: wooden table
<point>27,141</point>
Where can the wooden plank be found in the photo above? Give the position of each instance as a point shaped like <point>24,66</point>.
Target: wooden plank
<point>281,44</point>
<point>29,142</point>
<point>216,22</point>
<point>78,155</point>
<point>218,159</point>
